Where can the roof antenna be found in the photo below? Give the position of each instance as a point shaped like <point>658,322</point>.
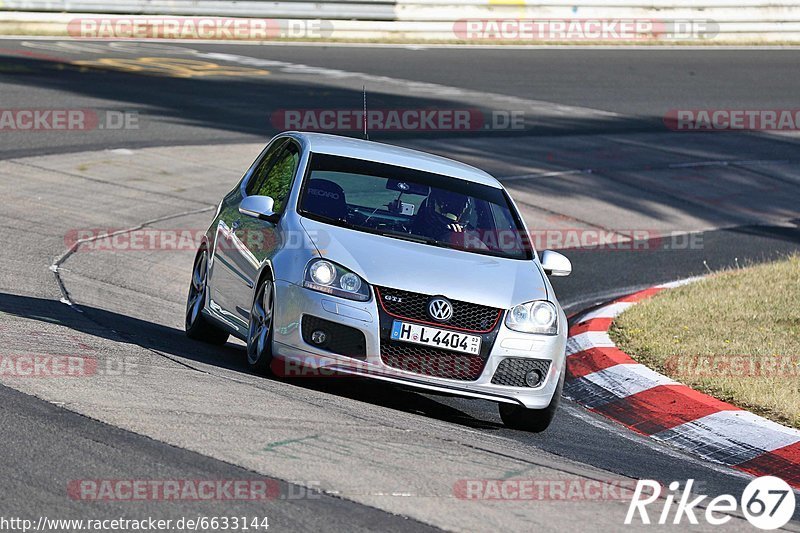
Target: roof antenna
<point>364,89</point>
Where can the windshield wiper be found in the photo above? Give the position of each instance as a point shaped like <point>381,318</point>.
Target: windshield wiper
<point>412,238</point>
<point>404,236</point>
<point>344,223</point>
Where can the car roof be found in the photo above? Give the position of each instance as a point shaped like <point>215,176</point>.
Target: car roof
<point>324,143</point>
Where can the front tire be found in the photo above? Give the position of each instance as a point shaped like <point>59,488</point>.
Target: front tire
<point>259,335</point>
<point>533,420</point>
<point>196,326</point>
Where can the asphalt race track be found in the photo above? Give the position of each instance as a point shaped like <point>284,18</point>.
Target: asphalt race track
<point>592,154</point>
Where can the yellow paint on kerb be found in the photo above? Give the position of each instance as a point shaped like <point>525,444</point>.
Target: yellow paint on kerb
<point>169,66</point>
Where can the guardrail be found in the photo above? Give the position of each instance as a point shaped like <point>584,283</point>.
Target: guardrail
<point>444,20</point>
<point>324,9</point>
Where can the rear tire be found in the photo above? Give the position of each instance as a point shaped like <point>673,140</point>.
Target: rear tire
<point>197,327</point>
<point>533,420</point>
<point>259,335</point>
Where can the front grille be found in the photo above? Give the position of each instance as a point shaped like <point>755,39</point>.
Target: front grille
<point>511,371</point>
<point>414,306</point>
<point>341,339</point>
<point>431,361</point>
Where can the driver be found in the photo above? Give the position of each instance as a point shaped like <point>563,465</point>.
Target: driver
<point>441,215</point>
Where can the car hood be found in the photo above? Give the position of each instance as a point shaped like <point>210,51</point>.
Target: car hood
<point>410,266</point>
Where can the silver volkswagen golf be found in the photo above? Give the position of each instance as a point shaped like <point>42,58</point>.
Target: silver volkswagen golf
<point>339,256</point>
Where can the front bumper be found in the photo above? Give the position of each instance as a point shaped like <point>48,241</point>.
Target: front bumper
<point>300,358</point>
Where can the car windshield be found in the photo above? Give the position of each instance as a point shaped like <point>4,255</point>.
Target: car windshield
<point>413,205</point>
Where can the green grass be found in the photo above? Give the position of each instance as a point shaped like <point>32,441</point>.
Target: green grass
<point>734,335</point>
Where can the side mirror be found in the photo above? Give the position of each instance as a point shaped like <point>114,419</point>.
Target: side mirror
<point>260,207</point>
<point>555,264</point>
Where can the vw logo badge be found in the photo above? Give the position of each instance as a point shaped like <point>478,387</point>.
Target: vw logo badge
<point>440,309</point>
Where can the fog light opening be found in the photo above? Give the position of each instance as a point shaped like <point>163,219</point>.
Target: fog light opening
<point>319,337</point>
<point>533,378</point>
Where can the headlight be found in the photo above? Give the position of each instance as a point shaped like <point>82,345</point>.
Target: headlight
<point>328,277</point>
<point>534,317</point>
<point>322,273</point>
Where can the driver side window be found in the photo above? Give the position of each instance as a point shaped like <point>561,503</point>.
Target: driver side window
<point>274,174</point>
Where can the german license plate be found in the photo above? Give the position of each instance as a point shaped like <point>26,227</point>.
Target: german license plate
<point>438,338</point>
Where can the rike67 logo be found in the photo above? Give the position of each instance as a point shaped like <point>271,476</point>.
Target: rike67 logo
<point>767,502</point>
